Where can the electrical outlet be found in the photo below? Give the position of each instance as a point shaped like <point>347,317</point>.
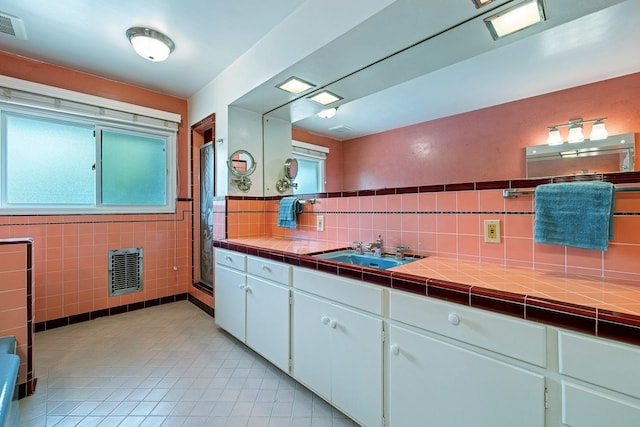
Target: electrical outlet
<point>492,231</point>
<point>320,222</point>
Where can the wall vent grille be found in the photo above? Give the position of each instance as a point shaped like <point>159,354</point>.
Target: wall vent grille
<point>12,26</point>
<point>125,271</point>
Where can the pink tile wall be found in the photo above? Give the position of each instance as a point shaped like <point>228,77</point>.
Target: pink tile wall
<point>450,224</point>
<point>13,299</point>
<point>70,257</point>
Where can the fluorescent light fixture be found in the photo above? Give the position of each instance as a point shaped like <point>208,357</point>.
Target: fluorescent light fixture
<point>515,18</point>
<point>325,97</point>
<point>295,85</point>
<point>150,44</point>
<point>328,113</point>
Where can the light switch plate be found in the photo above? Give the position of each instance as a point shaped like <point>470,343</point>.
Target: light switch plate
<point>320,222</point>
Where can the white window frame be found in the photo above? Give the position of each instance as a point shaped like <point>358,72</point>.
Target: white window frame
<point>22,97</point>
<point>315,152</point>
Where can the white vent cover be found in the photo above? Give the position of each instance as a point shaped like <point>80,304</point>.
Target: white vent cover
<point>340,128</point>
<point>125,271</point>
<point>12,26</point>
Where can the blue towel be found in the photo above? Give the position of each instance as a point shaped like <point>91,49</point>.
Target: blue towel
<point>289,207</point>
<point>575,214</point>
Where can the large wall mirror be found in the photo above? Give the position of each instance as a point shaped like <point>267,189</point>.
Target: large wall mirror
<point>460,69</point>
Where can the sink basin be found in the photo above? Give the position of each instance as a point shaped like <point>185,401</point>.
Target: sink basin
<point>350,257</point>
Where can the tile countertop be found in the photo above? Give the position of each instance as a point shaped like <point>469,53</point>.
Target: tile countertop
<point>604,307</point>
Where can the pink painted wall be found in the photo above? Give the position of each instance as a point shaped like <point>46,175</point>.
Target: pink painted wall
<point>486,144</point>
<point>70,252</point>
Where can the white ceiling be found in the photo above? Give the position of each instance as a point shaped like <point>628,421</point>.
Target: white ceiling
<point>89,36</point>
<point>460,70</point>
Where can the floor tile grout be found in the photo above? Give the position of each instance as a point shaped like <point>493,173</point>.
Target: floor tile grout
<point>167,365</point>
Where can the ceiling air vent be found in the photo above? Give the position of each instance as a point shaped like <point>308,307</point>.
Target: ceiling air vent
<point>12,26</point>
<point>125,271</point>
<point>340,128</point>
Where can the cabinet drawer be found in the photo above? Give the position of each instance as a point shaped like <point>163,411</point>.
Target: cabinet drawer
<point>604,363</point>
<point>345,291</point>
<point>275,271</point>
<point>512,337</point>
<point>589,408</point>
<point>231,259</point>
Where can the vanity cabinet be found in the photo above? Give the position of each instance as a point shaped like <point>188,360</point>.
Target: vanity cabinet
<point>230,292</point>
<point>337,342</point>
<point>439,379</point>
<point>601,381</point>
<point>252,303</point>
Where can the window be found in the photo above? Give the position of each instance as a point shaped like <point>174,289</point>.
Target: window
<point>311,167</point>
<point>59,163</point>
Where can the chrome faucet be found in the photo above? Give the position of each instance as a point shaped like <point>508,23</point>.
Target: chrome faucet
<point>376,247</point>
<point>358,248</point>
<point>400,252</point>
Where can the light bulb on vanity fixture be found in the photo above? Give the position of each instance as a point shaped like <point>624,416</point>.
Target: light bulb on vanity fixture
<point>598,131</point>
<point>575,132</point>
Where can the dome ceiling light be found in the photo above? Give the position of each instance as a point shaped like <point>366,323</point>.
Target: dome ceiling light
<point>150,44</point>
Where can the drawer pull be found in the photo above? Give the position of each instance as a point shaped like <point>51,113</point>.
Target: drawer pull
<point>453,319</point>
<point>395,349</point>
<point>265,268</point>
<point>228,258</point>
<point>241,286</point>
<point>325,320</point>
<point>333,323</point>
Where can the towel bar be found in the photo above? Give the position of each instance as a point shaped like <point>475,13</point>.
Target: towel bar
<point>512,193</point>
<point>305,201</point>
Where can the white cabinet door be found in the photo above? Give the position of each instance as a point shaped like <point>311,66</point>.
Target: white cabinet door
<point>432,383</point>
<point>230,312</point>
<point>357,370</point>
<point>268,321</point>
<point>337,352</point>
<point>311,343</point>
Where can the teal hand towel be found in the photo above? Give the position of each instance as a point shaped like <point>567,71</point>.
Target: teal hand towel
<point>289,208</point>
<point>575,214</point>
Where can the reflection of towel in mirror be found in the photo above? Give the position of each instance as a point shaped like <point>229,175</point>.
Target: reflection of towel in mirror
<point>575,214</point>
<point>289,207</point>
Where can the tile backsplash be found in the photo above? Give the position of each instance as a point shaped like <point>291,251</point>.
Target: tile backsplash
<point>448,223</point>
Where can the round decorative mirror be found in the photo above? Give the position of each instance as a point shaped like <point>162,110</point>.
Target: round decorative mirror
<point>291,168</point>
<point>241,163</point>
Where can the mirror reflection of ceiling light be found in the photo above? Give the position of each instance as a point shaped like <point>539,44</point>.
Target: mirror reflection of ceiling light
<point>481,3</point>
<point>598,131</point>
<point>150,44</point>
<point>515,18</point>
<point>328,113</point>
<point>295,85</point>
<point>325,97</point>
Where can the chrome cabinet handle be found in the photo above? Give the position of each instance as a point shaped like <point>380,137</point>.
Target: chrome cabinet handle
<point>395,349</point>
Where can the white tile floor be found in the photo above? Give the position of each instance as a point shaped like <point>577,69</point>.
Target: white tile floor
<point>163,366</point>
